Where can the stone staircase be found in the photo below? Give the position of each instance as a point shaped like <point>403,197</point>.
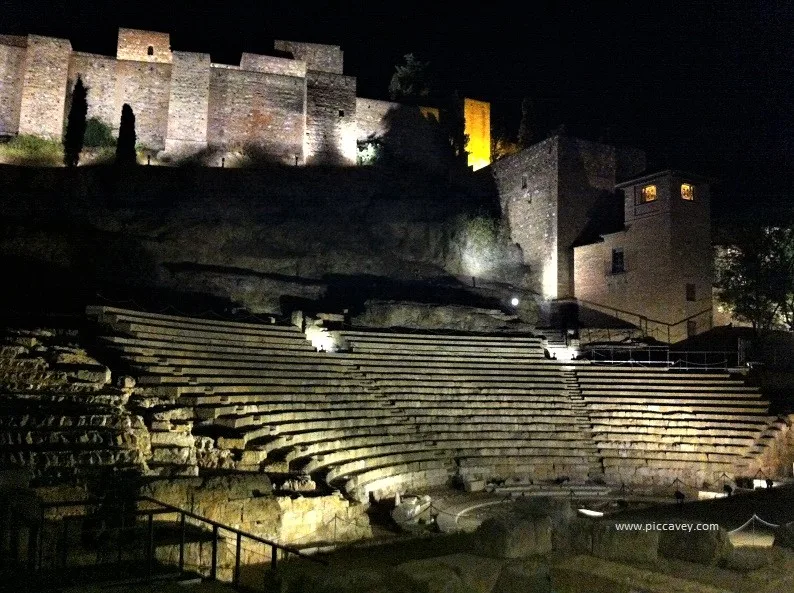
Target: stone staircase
<point>583,422</point>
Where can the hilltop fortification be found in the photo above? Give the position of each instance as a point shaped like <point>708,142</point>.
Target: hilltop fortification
<point>295,106</point>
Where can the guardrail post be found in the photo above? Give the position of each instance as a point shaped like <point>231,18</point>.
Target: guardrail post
<point>237,551</point>
<point>150,546</point>
<point>33,545</point>
<point>273,558</point>
<point>64,541</point>
<point>214,566</point>
<point>181,543</point>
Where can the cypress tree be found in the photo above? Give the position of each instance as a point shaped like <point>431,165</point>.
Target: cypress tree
<point>125,147</point>
<point>75,126</point>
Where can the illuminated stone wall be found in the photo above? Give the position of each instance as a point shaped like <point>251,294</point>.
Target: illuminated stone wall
<point>527,183</point>
<point>550,192</point>
<point>44,86</point>
<point>477,115</point>
<point>586,172</point>
<point>134,44</point>
<point>273,65</point>
<point>330,118</point>
<point>12,73</point>
<point>322,58</point>
<point>99,75</point>
<point>666,245</point>
<point>298,104</point>
<point>188,103</point>
<point>146,87</point>
<point>255,109</point>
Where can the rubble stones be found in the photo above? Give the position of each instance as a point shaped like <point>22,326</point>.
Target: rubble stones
<point>624,545</point>
<point>702,547</point>
<point>503,538</point>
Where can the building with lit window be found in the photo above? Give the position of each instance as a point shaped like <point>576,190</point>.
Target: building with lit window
<point>636,250</point>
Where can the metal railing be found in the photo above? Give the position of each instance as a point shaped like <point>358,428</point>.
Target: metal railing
<point>121,544</point>
<point>662,356</point>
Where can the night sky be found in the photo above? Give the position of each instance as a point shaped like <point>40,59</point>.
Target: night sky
<point>702,85</point>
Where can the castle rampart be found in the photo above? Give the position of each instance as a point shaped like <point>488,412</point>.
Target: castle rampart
<point>188,103</point>
<point>330,118</point>
<point>323,58</point>
<point>297,107</point>
<point>99,75</point>
<point>13,50</point>
<point>44,88</point>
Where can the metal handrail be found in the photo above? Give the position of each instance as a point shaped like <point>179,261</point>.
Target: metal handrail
<point>34,530</point>
<point>217,525</point>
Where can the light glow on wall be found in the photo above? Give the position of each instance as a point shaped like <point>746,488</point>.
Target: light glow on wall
<point>549,278</point>
<point>477,115</point>
<point>322,339</point>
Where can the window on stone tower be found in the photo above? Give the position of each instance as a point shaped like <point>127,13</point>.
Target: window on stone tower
<point>524,182</point>
<point>618,261</point>
<point>690,292</point>
<point>687,191</point>
<point>648,194</point>
<point>150,51</point>
<point>341,113</point>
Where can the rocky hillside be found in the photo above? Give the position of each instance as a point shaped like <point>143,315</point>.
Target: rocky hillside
<point>258,239</point>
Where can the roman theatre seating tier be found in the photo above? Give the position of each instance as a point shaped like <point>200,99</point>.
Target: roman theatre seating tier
<point>424,404</point>
<point>653,425</point>
<point>397,410</point>
<point>493,402</point>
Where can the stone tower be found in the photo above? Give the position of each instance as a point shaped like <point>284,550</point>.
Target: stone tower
<point>548,192</point>
<point>656,272</point>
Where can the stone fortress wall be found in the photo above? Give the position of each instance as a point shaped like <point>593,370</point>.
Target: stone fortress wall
<point>297,107</point>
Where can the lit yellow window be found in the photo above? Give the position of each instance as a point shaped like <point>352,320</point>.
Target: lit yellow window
<point>648,193</point>
<point>687,191</point>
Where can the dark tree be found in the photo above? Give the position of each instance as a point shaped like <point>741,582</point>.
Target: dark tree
<point>755,276</point>
<point>453,123</point>
<point>125,147</point>
<point>75,126</point>
<point>413,82</point>
<point>526,129</point>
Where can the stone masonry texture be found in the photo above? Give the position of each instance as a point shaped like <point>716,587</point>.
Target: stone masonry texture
<point>44,86</point>
<point>188,104</point>
<point>12,73</point>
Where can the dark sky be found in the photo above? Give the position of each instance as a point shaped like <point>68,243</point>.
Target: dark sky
<point>700,84</point>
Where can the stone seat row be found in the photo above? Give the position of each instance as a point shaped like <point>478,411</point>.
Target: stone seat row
<point>304,411</point>
<point>665,435</point>
<point>292,341</point>
<point>403,424</point>
<point>386,336</point>
<point>324,452</point>
<point>383,482</point>
<point>300,445</point>
<point>595,381</point>
<point>355,459</point>
<point>651,418</point>
<point>106,315</point>
<point>264,391</point>
<point>388,360</point>
<point>292,369</point>
<point>682,406</point>
<point>155,345</point>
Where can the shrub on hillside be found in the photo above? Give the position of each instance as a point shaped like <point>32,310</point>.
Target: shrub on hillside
<point>98,134</point>
<point>27,149</point>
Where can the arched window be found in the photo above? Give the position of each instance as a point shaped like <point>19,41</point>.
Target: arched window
<point>150,51</point>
